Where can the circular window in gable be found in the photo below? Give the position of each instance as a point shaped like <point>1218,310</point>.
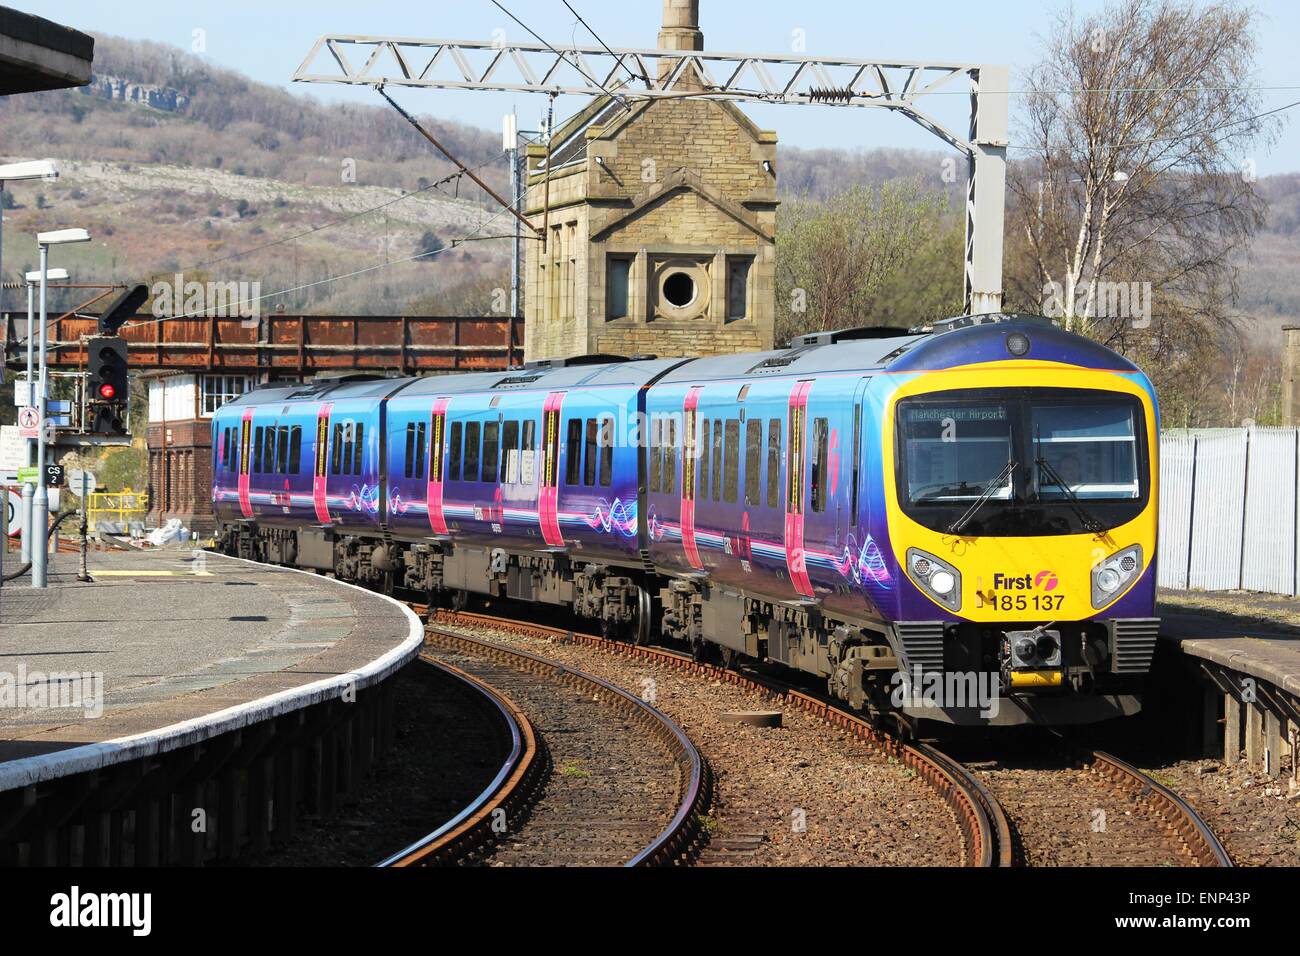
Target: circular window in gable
<point>679,289</point>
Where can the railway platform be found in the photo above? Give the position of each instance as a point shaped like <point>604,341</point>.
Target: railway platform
<point>1246,648</point>
<point>179,682</point>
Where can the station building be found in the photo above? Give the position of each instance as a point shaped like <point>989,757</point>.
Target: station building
<point>659,219</point>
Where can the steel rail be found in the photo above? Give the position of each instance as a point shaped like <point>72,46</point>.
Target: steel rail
<point>681,838</point>
<point>513,786</point>
<point>986,832</point>
<point>1194,834</point>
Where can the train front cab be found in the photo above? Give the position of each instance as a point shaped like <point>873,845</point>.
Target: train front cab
<point>1023,521</point>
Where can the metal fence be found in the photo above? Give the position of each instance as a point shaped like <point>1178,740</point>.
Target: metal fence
<point>1229,503</point>
<point>116,511</point>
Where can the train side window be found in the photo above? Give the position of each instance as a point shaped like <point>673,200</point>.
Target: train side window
<point>336,453</point>
<point>421,448</point>
<point>530,435</point>
<point>754,462</point>
<point>656,454</point>
<point>589,469</point>
<point>606,451</point>
<point>817,484</point>
<point>670,454</point>
<point>357,446</point>
<point>268,450</point>
<point>717,459</point>
<point>453,466</point>
<point>773,462</point>
<point>702,463</point>
<point>282,450</point>
<point>295,449</point>
<point>731,487</point>
<point>472,432</point>
<point>409,470</point>
<point>510,452</point>
<point>491,450</point>
<point>257,449</point>
<point>573,452</point>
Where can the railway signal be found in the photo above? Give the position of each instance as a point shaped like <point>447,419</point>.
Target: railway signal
<point>107,384</point>
<point>122,308</point>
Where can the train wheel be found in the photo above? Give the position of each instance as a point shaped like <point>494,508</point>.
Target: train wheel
<point>459,600</point>
<point>729,657</point>
<point>643,629</point>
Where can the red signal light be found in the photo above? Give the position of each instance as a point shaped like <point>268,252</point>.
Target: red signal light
<point>106,390</point>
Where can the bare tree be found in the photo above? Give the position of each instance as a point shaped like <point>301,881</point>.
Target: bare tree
<point>839,263</point>
<point>1141,120</point>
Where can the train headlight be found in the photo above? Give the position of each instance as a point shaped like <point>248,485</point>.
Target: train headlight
<point>941,582</point>
<point>935,577</point>
<point>1113,574</point>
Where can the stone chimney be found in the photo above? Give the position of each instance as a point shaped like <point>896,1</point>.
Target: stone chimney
<point>681,31</point>
<point>1291,375</point>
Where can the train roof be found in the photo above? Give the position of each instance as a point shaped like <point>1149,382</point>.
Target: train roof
<point>546,375</point>
<point>963,340</point>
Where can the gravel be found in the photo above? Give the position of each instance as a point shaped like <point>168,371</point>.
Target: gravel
<point>798,795</point>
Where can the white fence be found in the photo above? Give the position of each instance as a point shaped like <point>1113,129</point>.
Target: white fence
<point>1229,516</point>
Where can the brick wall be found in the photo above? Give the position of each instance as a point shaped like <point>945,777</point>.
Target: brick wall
<point>180,473</point>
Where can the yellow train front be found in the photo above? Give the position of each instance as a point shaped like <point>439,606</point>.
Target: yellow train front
<point>1020,489</point>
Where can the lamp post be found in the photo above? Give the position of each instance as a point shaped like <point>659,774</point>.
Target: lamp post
<point>16,172</point>
<point>29,490</point>
<point>41,504</point>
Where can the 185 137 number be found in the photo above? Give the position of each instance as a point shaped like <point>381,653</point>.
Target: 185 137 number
<point>1027,602</point>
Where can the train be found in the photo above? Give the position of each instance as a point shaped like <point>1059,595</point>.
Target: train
<point>953,523</point>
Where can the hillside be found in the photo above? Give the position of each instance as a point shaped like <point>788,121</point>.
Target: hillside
<point>175,165</point>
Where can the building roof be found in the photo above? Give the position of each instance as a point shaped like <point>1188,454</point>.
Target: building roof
<point>39,54</point>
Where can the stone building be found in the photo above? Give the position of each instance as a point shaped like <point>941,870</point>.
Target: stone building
<point>660,219</point>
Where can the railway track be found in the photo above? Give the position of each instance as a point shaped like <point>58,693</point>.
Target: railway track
<point>470,833</point>
<point>1184,824</point>
<point>989,836</point>
<point>596,777</point>
<point>985,830</point>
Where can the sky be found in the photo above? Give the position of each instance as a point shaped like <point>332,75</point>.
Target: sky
<point>267,40</point>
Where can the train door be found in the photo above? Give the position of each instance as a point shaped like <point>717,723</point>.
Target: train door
<point>795,497</point>
<point>850,522</point>
<point>245,449</point>
<point>320,474</point>
<point>437,438</point>
<point>548,495</point>
<point>690,444</point>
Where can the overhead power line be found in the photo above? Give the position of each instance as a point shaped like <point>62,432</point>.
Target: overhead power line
<point>621,60</point>
<point>573,63</point>
<point>472,237</point>
<point>1174,139</point>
